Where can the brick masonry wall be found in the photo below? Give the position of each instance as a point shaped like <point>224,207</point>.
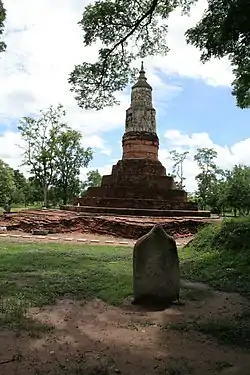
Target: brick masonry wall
<point>136,203</point>
<point>140,149</point>
<point>139,174</point>
<point>136,192</point>
<point>140,145</point>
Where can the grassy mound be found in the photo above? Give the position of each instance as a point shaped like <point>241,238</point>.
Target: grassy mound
<point>220,256</point>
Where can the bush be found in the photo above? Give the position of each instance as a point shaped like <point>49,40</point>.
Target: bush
<point>220,256</point>
<point>230,234</point>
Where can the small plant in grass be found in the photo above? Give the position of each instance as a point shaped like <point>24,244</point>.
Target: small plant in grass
<point>13,308</point>
<point>14,315</point>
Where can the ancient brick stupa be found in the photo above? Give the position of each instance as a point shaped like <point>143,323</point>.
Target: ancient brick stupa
<point>138,184</point>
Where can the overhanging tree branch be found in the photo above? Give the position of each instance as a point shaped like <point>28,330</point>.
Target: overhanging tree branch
<point>121,42</point>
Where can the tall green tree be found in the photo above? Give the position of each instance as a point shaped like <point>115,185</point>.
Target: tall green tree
<point>40,136</point>
<point>7,185</point>
<point>2,19</point>
<point>20,195</point>
<point>130,29</point>
<point>94,178</point>
<point>238,189</point>
<point>34,191</point>
<point>207,176</point>
<point>216,198</point>
<point>70,158</point>
<point>178,160</point>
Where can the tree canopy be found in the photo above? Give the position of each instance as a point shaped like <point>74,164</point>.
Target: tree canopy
<point>131,29</point>
<point>7,185</point>
<point>94,178</point>
<point>224,30</point>
<point>70,158</point>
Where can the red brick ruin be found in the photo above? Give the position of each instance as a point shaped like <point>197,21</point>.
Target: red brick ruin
<point>138,184</point>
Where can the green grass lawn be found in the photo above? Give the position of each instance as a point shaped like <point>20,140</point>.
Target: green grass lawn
<point>41,273</point>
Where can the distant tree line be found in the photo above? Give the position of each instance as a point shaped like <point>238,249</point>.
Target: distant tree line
<point>218,190</point>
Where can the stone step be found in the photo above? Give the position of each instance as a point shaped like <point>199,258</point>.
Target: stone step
<point>136,211</point>
<point>132,203</point>
<point>142,190</point>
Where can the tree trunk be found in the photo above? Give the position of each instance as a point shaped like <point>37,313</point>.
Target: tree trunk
<point>65,196</point>
<point>45,195</point>
<point>235,212</point>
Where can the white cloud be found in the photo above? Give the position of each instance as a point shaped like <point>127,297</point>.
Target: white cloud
<point>10,151</point>
<point>97,143</point>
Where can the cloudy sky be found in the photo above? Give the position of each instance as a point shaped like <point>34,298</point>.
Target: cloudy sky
<point>193,101</point>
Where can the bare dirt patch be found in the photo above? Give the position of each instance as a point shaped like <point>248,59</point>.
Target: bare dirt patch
<point>97,338</point>
<point>57,221</point>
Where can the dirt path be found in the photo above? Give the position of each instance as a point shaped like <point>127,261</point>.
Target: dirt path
<point>96,338</point>
<point>76,237</point>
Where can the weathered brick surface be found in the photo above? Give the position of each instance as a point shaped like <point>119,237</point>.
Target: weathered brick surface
<point>140,149</point>
<point>114,211</point>
<point>139,173</point>
<point>140,146</point>
<point>136,192</point>
<point>135,203</point>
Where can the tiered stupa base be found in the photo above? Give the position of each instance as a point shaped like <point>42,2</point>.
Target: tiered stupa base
<point>137,187</point>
